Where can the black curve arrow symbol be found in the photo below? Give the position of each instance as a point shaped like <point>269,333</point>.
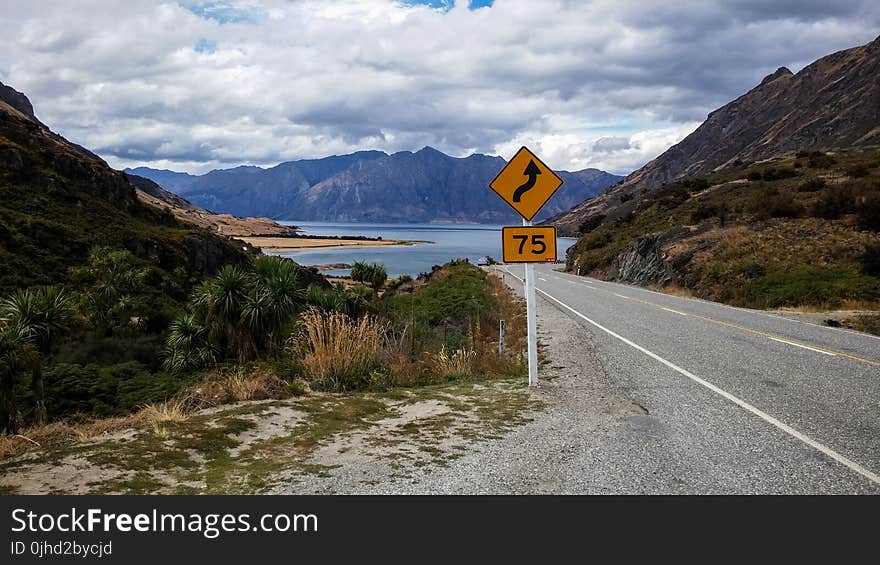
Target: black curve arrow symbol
<point>532,171</point>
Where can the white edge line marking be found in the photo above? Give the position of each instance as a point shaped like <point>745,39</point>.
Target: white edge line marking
<point>803,346</point>
<point>874,478</point>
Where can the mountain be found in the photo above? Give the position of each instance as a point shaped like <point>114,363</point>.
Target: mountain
<point>371,186</point>
<point>173,181</point>
<point>832,103</point>
<point>58,201</point>
<point>773,202</point>
<point>17,101</point>
<point>254,191</point>
<point>225,224</point>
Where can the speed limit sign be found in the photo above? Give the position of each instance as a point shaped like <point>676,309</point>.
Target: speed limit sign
<point>529,244</point>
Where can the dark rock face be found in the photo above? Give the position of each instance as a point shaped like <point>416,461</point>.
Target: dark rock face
<point>10,158</point>
<point>641,263</point>
<point>832,103</point>
<point>371,186</point>
<point>17,100</point>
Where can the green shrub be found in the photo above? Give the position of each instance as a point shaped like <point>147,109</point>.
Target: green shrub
<point>443,311</point>
<point>773,174</point>
<point>372,274</point>
<point>858,171</point>
<point>783,206</point>
<point>833,202</point>
<point>145,349</point>
<point>394,284</point>
<point>114,390</point>
<point>817,159</point>
<point>870,260</point>
<point>591,223</point>
<point>706,210</point>
<point>868,213</point>
<point>694,184</point>
<point>596,241</point>
<point>812,185</point>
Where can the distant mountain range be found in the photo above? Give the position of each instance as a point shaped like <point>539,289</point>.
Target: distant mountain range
<point>831,103</point>
<point>370,186</point>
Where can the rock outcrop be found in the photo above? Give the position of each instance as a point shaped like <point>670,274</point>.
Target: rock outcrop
<point>642,263</point>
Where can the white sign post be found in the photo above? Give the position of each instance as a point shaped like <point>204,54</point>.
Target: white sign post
<point>531,321</point>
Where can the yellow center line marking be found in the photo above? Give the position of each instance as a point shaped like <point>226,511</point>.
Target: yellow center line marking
<point>748,330</point>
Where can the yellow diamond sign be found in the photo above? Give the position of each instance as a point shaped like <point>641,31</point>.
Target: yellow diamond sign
<point>526,183</point>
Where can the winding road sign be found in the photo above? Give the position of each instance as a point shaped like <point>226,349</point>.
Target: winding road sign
<point>526,183</point>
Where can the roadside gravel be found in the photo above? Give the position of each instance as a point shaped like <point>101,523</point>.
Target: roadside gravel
<point>580,411</point>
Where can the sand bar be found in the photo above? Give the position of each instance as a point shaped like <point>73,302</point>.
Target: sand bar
<point>282,243</point>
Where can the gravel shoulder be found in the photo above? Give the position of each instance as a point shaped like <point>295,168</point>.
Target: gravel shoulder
<point>581,411</point>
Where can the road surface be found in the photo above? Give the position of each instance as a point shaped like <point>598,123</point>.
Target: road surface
<point>794,407</point>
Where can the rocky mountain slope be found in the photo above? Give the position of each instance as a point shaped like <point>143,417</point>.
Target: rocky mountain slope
<point>832,103</point>
<point>223,224</point>
<point>799,230</point>
<point>58,201</point>
<point>371,186</point>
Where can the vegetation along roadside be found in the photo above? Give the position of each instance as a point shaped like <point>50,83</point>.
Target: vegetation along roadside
<point>317,360</point>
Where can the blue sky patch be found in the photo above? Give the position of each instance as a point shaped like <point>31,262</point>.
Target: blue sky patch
<point>447,4</point>
<point>222,12</point>
<point>203,45</point>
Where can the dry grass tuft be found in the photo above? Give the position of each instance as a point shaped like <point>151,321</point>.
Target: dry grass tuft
<point>58,433</point>
<point>244,385</point>
<point>340,351</point>
<point>162,413</point>
<point>460,362</point>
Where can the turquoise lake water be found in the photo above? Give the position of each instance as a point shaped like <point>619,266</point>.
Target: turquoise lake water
<point>448,241</point>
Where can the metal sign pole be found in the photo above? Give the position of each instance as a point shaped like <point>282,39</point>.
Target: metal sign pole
<point>531,322</point>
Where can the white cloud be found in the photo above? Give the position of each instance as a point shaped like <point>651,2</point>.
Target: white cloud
<point>284,80</point>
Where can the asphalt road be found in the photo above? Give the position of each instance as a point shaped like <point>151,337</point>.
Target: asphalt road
<point>735,400</point>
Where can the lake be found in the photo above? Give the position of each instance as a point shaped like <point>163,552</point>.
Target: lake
<point>448,241</point>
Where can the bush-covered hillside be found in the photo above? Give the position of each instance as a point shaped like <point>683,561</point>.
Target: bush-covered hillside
<point>58,201</point>
<point>797,230</point>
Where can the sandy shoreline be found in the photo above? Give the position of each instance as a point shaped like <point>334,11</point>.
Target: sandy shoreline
<point>294,243</point>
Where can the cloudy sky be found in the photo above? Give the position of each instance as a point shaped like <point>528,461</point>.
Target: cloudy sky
<point>205,84</point>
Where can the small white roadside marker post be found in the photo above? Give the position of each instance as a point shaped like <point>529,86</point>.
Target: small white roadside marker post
<point>531,321</point>
<point>502,336</point>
